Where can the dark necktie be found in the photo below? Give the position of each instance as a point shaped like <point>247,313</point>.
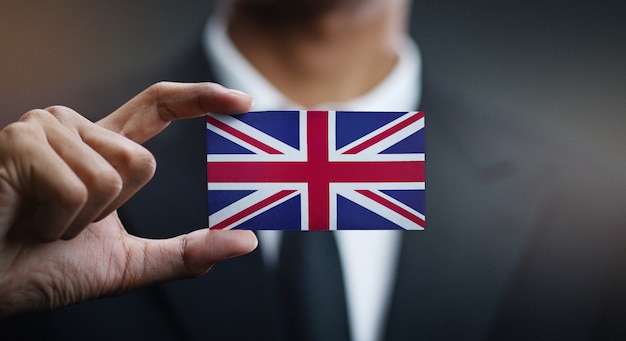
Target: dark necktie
<point>311,287</point>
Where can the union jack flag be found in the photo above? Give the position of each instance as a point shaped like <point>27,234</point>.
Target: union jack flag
<point>316,170</point>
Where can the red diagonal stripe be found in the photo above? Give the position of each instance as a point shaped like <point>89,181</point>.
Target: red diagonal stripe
<point>392,206</point>
<point>254,208</point>
<point>384,134</point>
<point>240,135</point>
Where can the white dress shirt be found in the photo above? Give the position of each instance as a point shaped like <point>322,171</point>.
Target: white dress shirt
<point>368,258</point>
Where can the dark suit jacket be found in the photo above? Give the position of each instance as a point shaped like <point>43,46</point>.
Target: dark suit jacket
<point>523,241</point>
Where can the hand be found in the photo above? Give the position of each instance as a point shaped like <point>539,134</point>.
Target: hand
<point>62,179</point>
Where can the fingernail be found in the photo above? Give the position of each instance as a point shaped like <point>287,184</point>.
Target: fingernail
<point>236,92</point>
<point>242,96</point>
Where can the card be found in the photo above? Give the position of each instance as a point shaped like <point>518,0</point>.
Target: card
<point>316,170</point>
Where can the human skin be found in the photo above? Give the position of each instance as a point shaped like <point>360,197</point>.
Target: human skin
<point>319,51</point>
<point>62,179</point>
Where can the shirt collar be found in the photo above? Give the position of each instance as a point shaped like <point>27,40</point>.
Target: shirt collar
<point>399,91</point>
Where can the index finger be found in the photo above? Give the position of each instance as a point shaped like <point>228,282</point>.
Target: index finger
<point>152,110</point>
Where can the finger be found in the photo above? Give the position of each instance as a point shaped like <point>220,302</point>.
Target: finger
<point>100,179</point>
<point>133,165</point>
<point>152,110</point>
<point>185,256</point>
<point>51,195</point>
<point>65,131</point>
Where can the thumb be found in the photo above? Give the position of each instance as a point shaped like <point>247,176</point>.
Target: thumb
<point>188,255</point>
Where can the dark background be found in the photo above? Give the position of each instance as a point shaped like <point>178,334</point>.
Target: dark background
<point>561,64</point>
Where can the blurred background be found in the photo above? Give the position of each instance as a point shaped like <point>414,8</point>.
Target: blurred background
<point>559,63</point>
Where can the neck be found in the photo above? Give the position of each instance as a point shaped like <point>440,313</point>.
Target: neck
<point>337,55</point>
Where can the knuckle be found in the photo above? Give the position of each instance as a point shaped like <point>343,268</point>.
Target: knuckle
<point>37,115</point>
<point>144,164</point>
<point>20,137</point>
<point>155,90</point>
<point>51,115</point>
<point>74,196</point>
<point>58,110</point>
<point>156,94</point>
<point>137,163</point>
<point>106,183</point>
<point>62,113</point>
<point>15,130</point>
<point>159,86</point>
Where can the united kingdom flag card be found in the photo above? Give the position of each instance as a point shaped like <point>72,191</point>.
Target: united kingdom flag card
<point>316,170</point>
